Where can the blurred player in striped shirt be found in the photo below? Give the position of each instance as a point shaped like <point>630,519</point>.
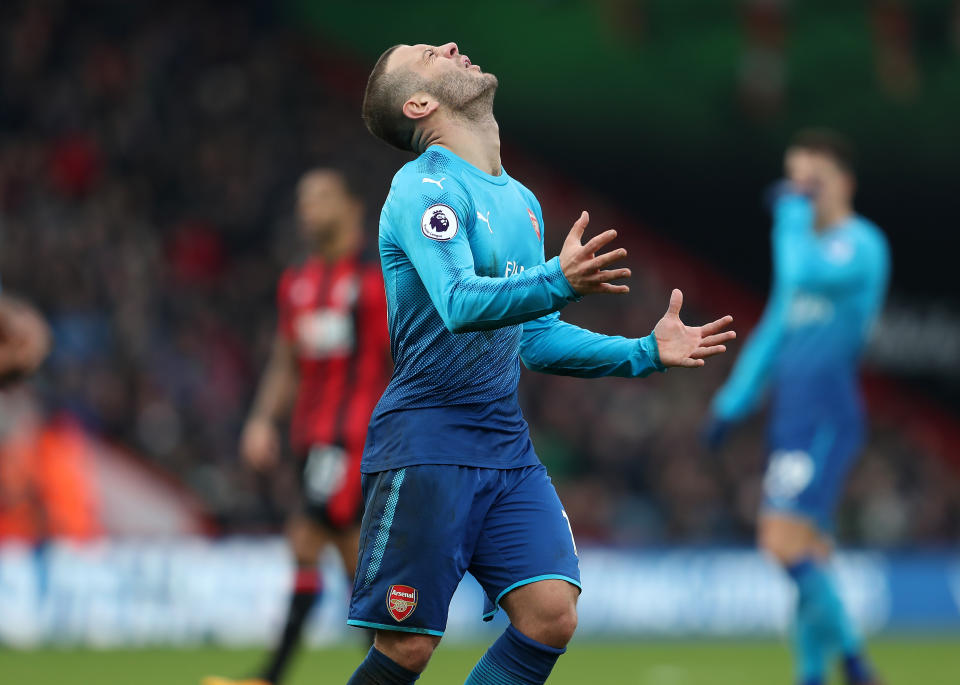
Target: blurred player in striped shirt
<point>330,363</point>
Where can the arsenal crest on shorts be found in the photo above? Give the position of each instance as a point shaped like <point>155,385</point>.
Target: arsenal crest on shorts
<point>401,601</point>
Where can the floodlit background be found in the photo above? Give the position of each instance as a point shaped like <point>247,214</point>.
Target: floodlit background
<point>148,155</point>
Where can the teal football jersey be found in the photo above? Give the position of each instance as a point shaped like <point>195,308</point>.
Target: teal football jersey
<point>827,292</point>
<point>469,294</point>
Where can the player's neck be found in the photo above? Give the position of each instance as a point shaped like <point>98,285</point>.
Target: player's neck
<point>474,141</point>
<point>340,244</point>
<point>831,217</point>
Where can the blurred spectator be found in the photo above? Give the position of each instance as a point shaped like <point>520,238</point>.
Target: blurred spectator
<point>45,488</point>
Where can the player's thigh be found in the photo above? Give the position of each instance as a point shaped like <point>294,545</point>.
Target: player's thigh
<point>786,537</point>
<point>807,468</point>
<point>347,542</point>
<point>526,538</point>
<point>417,534</point>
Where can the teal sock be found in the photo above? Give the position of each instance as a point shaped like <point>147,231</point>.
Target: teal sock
<point>810,661</point>
<point>824,629</point>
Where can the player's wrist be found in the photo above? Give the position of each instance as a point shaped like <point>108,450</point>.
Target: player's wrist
<point>649,346</point>
<point>555,273</point>
<point>261,419</point>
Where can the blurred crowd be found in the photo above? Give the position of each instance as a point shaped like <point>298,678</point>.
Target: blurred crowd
<point>148,156</point>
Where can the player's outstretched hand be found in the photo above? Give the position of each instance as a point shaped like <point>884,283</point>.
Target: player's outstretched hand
<point>584,268</point>
<point>688,346</point>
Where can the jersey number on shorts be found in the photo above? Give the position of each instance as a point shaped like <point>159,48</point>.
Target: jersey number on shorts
<point>789,474</point>
<point>325,470</point>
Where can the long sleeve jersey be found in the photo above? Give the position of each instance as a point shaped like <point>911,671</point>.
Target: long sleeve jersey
<point>470,295</point>
<point>828,289</point>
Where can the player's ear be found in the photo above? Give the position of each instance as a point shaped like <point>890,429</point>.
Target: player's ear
<point>420,105</point>
<point>358,210</point>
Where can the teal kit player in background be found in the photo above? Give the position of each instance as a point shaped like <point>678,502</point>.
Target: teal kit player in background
<point>450,478</point>
<point>831,268</point>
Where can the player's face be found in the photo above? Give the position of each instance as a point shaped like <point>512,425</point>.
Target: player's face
<point>819,174</point>
<point>451,77</point>
<point>799,167</point>
<point>324,204</point>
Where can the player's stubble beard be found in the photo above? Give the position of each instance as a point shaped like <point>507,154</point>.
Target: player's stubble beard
<point>466,95</point>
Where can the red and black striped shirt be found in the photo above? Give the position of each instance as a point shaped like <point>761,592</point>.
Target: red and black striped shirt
<point>335,314</point>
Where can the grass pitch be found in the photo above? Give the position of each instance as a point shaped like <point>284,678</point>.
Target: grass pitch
<point>912,661</point>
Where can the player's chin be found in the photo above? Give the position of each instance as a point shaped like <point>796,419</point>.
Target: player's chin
<point>11,377</point>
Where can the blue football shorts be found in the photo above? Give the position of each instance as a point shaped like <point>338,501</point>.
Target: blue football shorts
<point>424,526</point>
<point>808,466</point>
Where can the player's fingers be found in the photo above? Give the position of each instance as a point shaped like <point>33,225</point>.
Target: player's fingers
<point>691,363</point>
<point>598,241</point>
<point>718,338</point>
<point>605,259</point>
<point>607,275</point>
<point>716,326</point>
<point>676,301</point>
<point>579,226</point>
<point>704,352</point>
<point>610,288</point>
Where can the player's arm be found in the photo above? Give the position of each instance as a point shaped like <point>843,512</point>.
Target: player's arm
<point>553,346</point>
<point>550,345</point>
<point>260,441</point>
<point>466,301</point>
<point>825,265</point>
<point>745,388</point>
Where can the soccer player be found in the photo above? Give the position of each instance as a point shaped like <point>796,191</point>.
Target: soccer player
<point>450,478</point>
<point>331,352</point>
<point>830,274</point>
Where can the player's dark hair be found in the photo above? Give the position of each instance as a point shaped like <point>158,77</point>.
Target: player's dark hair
<point>383,103</point>
<point>828,142</point>
<point>345,175</point>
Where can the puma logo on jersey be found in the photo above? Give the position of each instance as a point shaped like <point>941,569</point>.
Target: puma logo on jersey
<point>485,219</point>
<point>430,180</point>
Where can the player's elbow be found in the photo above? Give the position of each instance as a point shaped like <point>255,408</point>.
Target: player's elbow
<point>458,315</point>
<point>532,362</point>
<point>458,324</point>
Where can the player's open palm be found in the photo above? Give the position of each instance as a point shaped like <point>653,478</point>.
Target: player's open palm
<point>584,268</point>
<point>688,346</point>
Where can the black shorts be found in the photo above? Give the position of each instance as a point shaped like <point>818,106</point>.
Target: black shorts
<point>330,487</point>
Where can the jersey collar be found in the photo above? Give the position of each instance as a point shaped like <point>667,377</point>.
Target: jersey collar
<point>500,180</point>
